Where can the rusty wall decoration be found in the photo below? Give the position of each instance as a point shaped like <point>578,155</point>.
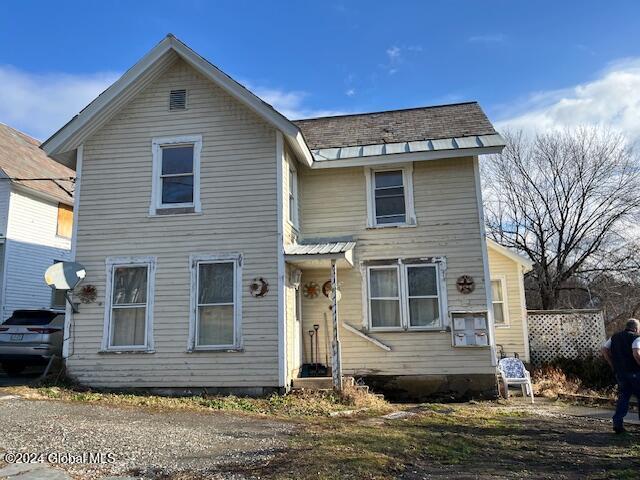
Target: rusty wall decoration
<point>311,290</point>
<point>87,294</point>
<point>465,284</point>
<point>258,287</point>
<point>326,288</point>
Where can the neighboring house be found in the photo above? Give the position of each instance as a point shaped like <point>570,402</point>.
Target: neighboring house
<point>36,212</point>
<point>509,304</point>
<point>209,223</point>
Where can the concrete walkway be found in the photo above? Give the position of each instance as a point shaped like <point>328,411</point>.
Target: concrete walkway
<point>602,414</point>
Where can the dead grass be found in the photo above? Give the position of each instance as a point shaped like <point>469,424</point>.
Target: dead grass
<point>295,404</point>
<point>482,441</point>
<point>551,381</point>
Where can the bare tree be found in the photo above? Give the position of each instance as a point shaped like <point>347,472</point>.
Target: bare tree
<point>568,201</point>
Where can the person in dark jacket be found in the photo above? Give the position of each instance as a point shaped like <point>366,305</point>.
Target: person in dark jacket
<point>622,352</point>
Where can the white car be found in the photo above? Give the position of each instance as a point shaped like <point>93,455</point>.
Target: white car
<point>30,337</point>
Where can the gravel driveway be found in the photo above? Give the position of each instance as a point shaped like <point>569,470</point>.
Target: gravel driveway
<point>142,443</point>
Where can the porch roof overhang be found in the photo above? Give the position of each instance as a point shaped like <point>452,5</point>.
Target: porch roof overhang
<point>320,254</point>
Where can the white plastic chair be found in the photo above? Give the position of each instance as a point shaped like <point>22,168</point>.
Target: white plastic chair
<point>513,372</point>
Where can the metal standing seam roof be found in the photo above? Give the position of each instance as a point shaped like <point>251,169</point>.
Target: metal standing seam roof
<point>319,248</point>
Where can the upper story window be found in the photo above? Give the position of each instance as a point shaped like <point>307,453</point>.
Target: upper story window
<point>129,304</point>
<point>390,196</point>
<point>293,196</point>
<point>176,175</point>
<point>405,297</point>
<point>65,221</point>
<point>498,292</point>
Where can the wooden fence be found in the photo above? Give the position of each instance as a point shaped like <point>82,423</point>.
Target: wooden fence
<point>564,333</point>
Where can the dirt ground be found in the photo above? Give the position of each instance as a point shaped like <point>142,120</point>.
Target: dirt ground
<point>431,441</point>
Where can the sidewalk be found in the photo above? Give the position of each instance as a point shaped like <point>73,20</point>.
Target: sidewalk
<point>602,413</point>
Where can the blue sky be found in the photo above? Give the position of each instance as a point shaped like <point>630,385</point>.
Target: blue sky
<point>530,64</point>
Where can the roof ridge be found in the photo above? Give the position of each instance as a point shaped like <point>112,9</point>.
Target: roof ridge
<point>426,107</point>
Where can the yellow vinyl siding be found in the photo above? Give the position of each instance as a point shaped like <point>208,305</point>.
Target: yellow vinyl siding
<point>239,214</point>
<point>334,205</point>
<point>511,336</point>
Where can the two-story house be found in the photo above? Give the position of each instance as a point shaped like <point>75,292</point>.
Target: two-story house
<point>221,237</point>
<point>36,211</point>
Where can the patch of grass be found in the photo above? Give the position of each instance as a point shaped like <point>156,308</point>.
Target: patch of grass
<point>295,404</point>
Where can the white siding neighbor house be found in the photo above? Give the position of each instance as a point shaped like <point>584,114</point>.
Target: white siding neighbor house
<point>36,211</point>
<point>232,249</point>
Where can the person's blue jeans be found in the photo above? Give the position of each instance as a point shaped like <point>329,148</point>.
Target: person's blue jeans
<point>628,386</point>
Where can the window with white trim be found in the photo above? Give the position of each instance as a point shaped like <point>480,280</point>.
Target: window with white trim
<point>176,174</point>
<point>216,295</point>
<point>405,297</point>
<point>129,304</point>
<point>293,196</point>
<point>390,196</point>
<point>498,293</point>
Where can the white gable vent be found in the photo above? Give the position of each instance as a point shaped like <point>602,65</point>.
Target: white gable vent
<point>178,99</point>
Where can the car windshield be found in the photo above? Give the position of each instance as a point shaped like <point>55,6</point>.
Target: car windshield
<point>33,317</point>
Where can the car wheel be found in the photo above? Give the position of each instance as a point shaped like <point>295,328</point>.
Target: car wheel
<point>13,369</point>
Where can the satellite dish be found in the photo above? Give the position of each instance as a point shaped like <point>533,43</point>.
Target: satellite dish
<point>64,275</point>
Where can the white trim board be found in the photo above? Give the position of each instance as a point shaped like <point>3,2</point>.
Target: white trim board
<point>146,69</point>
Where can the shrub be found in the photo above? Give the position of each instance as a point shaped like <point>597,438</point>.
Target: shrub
<point>568,375</point>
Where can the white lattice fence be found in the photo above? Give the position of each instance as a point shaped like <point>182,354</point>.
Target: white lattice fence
<point>564,333</point>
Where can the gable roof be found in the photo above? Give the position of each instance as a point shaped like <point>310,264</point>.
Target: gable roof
<point>21,159</point>
<point>519,259</point>
<point>412,124</point>
<point>100,110</point>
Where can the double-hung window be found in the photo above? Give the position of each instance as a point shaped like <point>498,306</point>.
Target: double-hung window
<point>215,296</point>
<point>390,196</point>
<point>405,297</point>
<point>176,174</point>
<point>129,304</point>
<point>293,197</point>
<point>498,293</point>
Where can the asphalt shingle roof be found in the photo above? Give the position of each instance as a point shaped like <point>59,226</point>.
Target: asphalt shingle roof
<point>21,159</point>
<point>425,123</point>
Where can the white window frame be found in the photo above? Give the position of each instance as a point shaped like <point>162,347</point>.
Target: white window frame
<point>407,184</point>
<point>398,298</point>
<point>156,189</point>
<point>293,194</point>
<point>439,296</point>
<point>505,307</point>
<point>403,292</point>
<point>111,264</point>
<point>194,262</point>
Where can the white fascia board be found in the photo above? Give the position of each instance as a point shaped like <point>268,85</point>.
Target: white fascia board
<point>91,112</point>
<point>52,144</point>
<point>406,157</point>
<point>519,259</point>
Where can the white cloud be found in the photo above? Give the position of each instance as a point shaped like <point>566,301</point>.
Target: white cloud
<point>611,100</point>
<point>393,53</point>
<point>350,92</point>
<point>488,38</point>
<point>39,104</point>
<point>290,103</point>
